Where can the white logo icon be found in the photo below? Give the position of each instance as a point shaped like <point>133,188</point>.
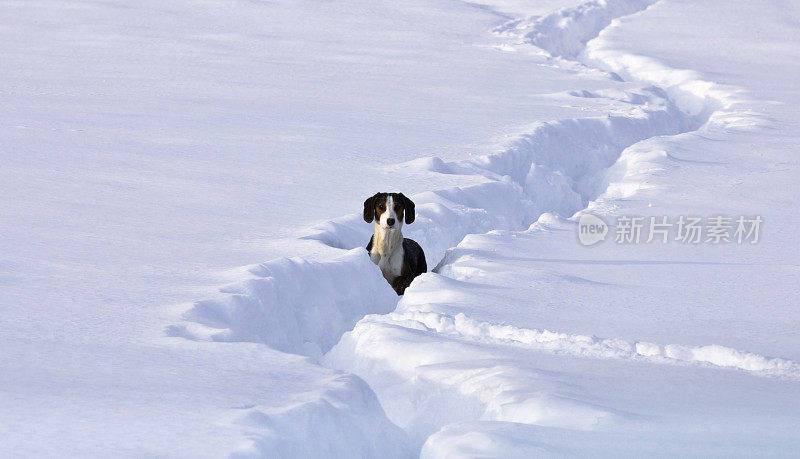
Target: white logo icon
<point>591,229</point>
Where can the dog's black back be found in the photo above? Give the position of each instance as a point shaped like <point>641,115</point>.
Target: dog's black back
<point>414,263</point>
<point>415,258</point>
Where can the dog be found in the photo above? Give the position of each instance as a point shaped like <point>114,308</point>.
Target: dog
<point>400,259</point>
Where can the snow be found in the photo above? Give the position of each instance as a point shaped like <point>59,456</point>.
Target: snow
<point>153,152</point>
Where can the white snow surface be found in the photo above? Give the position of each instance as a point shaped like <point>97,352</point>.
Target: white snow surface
<point>182,262</point>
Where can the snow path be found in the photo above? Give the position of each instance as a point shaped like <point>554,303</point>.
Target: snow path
<point>558,166</point>
<point>561,167</point>
<point>416,353</point>
<point>564,33</point>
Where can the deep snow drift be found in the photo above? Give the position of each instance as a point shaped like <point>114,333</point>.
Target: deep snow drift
<point>149,149</point>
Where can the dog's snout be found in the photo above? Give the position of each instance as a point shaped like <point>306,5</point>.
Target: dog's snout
<point>390,221</point>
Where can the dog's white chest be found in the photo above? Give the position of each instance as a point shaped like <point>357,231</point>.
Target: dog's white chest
<point>391,265</point>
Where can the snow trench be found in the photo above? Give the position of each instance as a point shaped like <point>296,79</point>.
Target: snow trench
<point>425,383</point>
<point>557,167</point>
<point>565,32</point>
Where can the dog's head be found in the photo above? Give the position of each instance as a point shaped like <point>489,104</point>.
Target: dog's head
<point>388,210</point>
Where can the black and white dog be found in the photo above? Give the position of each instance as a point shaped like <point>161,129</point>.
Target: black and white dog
<point>400,259</point>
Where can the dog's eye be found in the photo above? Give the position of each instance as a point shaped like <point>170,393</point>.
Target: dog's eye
<point>396,207</point>
<point>382,207</point>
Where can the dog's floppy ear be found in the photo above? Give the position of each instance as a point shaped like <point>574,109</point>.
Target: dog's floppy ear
<point>408,206</point>
<point>369,208</point>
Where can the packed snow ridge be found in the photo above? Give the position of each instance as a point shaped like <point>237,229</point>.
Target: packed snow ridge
<point>557,168</point>
<point>465,328</point>
<point>349,415</point>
